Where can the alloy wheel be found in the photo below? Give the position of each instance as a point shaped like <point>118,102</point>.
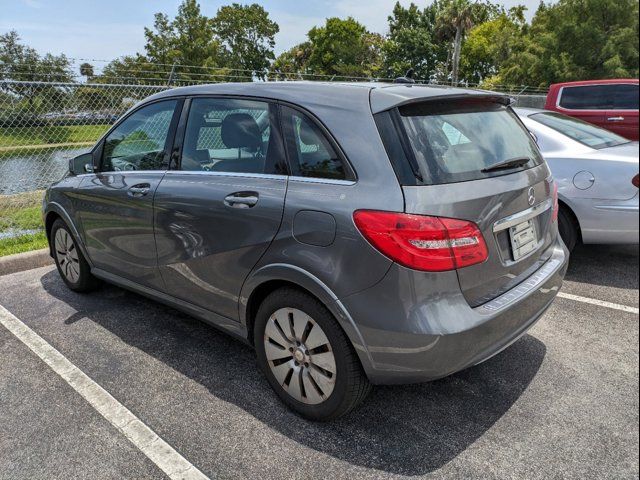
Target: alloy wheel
<point>300,356</point>
<point>67,255</point>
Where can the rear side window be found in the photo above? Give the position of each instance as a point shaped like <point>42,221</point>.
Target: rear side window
<point>447,142</point>
<point>583,132</point>
<point>600,97</point>
<point>232,135</point>
<point>311,153</point>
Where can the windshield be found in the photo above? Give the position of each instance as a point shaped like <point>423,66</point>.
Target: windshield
<point>457,141</point>
<point>583,132</point>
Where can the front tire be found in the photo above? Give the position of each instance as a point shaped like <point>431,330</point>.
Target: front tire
<point>306,357</point>
<point>71,264</point>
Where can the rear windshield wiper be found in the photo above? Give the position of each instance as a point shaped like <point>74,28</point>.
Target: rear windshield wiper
<point>509,163</point>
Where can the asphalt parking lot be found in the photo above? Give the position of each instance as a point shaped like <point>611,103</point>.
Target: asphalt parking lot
<point>561,402</point>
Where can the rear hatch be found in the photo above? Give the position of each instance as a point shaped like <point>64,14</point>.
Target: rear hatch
<point>472,159</point>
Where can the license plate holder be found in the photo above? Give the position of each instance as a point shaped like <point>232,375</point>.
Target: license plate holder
<point>524,239</point>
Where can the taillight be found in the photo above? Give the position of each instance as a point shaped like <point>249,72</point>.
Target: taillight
<point>556,206</point>
<point>636,181</point>
<point>432,244</point>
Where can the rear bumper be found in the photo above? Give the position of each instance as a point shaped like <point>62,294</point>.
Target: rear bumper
<point>418,327</point>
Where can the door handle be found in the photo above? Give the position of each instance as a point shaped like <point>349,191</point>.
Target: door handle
<point>615,119</point>
<point>241,199</point>
<point>139,190</point>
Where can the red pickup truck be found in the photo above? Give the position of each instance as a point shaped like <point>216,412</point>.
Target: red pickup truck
<point>610,104</point>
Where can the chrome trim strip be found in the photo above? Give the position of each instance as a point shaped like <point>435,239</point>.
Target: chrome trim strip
<point>227,174</point>
<point>618,208</point>
<point>126,172</point>
<point>329,181</point>
<point>523,216</point>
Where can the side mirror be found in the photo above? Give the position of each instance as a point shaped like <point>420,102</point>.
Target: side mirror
<point>81,164</point>
<point>534,136</point>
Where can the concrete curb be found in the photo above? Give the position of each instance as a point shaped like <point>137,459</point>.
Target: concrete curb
<point>25,261</point>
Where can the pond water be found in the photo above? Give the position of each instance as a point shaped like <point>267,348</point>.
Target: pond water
<point>28,172</point>
<point>15,233</point>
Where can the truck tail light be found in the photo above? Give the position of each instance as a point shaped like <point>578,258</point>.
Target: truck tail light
<point>432,244</point>
<point>556,205</point>
<point>636,181</point>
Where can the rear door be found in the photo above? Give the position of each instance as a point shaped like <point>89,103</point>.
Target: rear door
<point>451,147</point>
<point>220,206</point>
<point>115,204</point>
<point>623,119</point>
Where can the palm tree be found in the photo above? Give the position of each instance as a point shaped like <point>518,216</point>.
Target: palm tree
<point>455,19</point>
<point>86,70</point>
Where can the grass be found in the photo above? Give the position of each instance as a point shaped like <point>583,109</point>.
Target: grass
<point>24,243</point>
<point>21,212</point>
<point>51,134</point>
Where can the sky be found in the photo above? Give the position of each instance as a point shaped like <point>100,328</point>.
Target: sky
<point>107,29</point>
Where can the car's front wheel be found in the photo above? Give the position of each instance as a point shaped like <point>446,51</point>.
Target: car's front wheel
<point>72,266</point>
<point>306,356</point>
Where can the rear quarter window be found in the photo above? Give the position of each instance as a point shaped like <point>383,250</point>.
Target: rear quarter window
<point>600,97</point>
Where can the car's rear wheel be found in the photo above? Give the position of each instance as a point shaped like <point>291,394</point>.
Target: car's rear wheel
<point>72,266</point>
<point>568,228</point>
<point>306,356</point>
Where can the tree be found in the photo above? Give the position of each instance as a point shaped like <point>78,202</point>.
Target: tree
<point>410,42</point>
<point>344,48</point>
<point>247,36</point>
<point>490,44</point>
<point>576,40</point>
<point>187,40</point>
<point>455,20</point>
<point>86,70</point>
<point>23,63</point>
<point>293,61</point>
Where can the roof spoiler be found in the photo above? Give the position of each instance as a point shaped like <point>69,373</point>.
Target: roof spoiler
<point>488,97</point>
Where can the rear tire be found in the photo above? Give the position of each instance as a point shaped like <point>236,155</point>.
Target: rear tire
<point>306,357</point>
<point>72,266</point>
<point>569,230</point>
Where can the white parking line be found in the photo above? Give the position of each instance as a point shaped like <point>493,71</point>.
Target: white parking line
<point>600,303</point>
<point>145,439</point>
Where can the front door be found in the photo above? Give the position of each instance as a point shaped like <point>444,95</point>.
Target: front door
<point>218,211</point>
<point>115,204</point>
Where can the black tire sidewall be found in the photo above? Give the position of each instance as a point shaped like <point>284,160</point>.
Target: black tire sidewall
<point>567,230</point>
<point>290,298</point>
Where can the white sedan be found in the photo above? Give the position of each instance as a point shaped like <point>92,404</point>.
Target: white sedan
<point>597,175</point>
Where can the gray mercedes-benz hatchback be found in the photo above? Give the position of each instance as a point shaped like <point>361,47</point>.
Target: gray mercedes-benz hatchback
<point>354,234</point>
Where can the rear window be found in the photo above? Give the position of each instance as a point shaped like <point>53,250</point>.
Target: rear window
<point>447,142</point>
<point>600,97</point>
<point>580,131</point>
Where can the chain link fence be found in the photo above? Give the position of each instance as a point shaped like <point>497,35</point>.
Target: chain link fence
<point>43,124</point>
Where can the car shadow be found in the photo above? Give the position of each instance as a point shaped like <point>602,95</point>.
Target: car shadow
<point>605,265</point>
<point>410,430</point>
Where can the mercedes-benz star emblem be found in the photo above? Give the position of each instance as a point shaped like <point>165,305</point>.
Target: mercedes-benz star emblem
<point>532,196</point>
